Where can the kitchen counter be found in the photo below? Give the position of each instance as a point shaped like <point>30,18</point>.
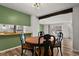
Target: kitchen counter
<point>11,33</point>
<point>9,40</point>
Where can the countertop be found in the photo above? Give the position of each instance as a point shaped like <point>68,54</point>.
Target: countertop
<point>11,33</point>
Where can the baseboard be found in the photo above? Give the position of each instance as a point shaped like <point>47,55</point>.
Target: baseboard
<point>66,38</point>
<point>75,50</point>
<point>9,49</point>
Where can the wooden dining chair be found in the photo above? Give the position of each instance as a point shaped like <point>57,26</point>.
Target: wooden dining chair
<point>24,46</point>
<point>58,43</point>
<point>41,33</point>
<point>47,44</point>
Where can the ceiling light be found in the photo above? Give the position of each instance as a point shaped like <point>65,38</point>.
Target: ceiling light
<point>36,5</point>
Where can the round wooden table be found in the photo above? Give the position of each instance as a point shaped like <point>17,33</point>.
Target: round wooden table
<point>33,41</point>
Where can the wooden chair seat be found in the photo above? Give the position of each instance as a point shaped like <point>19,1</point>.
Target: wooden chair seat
<point>57,44</point>
<point>25,46</point>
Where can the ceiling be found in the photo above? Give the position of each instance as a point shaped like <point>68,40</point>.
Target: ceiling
<point>63,18</point>
<point>45,8</point>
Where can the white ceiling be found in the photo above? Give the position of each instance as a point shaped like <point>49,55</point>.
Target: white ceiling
<point>45,8</point>
<point>64,18</point>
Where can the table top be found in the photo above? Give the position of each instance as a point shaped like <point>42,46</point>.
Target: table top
<point>34,40</point>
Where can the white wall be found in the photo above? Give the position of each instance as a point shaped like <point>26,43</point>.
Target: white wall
<point>70,31</point>
<point>27,29</point>
<point>34,25</point>
<point>75,23</point>
<point>64,20</point>
<point>67,30</point>
<point>46,29</point>
<point>54,28</point>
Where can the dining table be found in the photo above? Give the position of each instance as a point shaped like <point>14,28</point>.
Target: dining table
<point>34,40</point>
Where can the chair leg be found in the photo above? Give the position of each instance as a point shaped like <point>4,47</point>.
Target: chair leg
<point>32,52</point>
<point>22,52</point>
<point>61,51</point>
<point>35,52</point>
<point>40,51</point>
<point>52,53</point>
<point>57,51</point>
<point>25,52</point>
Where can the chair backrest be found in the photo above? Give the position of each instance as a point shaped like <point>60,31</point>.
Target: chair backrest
<point>41,33</point>
<point>47,37</point>
<point>47,43</point>
<point>59,36</point>
<point>22,38</point>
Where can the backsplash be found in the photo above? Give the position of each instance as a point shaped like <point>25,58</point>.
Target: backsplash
<point>6,28</point>
<point>14,28</point>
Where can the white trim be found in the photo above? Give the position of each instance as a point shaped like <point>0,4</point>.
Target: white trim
<point>75,50</point>
<point>9,49</point>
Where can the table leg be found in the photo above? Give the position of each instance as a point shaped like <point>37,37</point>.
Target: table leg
<point>33,53</point>
<point>39,51</point>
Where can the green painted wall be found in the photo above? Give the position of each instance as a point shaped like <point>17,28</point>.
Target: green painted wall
<point>9,16</point>
<point>41,27</point>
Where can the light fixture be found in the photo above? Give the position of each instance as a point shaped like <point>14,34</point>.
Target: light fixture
<point>36,5</point>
